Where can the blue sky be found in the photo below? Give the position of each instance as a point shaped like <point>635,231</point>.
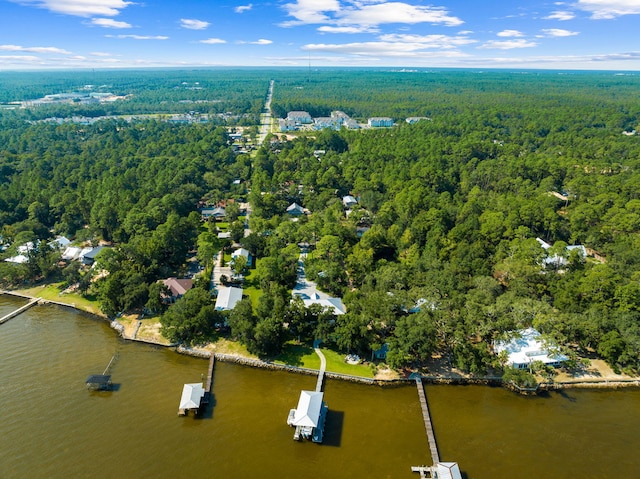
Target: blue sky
<point>578,34</point>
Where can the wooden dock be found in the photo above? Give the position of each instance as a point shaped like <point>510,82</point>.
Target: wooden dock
<point>207,387</point>
<point>435,457</point>
<point>15,313</point>
<point>212,362</point>
<point>323,366</point>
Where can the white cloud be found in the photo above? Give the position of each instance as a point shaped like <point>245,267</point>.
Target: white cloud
<point>261,41</point>
<point>213,41</point>
<point>365,13</point>
<point>558,32</point>
<point>310,11</point>
<point>428,41</point>
<point>607,9</point>
<point>396,12</point>
<point>19,58</point>
<point>139,37</point>
<point>109,23</point>
<point>100,54</point>
<point>18,48</point>
<point>560,15</point>
<point>193,24</point>
<point>359,29</point>
<point>383,49</point>
<point>508,44</point>
<point>80,8</point>
<point>243,8</point>
<point>510,33</point>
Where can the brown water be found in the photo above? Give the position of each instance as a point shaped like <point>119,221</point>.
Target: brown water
<point>52,427</point>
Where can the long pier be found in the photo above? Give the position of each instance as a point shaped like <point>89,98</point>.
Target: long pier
<point>323,366</point>
<point>22,309</point>
<point>212,362</point>
<point>207,387</point>
<point>433,447</point>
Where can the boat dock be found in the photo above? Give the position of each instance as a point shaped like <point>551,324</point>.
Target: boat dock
<point>448,470</point>
<point>101,382</point>
<point>209,383</point>
<point>426,416</point>
<point>18,311</point>
<point>194,396</point>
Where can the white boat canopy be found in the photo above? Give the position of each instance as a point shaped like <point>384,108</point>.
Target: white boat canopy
<point>308,410</point>
<point>191,396</point>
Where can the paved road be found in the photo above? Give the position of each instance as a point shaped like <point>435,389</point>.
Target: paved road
<point>265,117</point>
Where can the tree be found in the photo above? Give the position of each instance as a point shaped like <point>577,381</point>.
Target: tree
<point>191,319</point>
<point>157,292</point>
<point>237,230</point>
<point>239,265</point>
<point>242,322</point>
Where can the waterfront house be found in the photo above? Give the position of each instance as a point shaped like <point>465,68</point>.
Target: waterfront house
<point>228,298</point>
<point>335,305</point>
<point>177,287</point>
<point>88,255</point>
<point>525,348</point>
<point>71,253</point>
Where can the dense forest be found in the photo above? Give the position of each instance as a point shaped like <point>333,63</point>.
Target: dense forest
<point>441,254</point>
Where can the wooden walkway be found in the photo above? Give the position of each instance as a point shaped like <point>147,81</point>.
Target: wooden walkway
<point>212,362</point>
<point>323,366</point>
<point>15,313</point>
<point>435,457</point>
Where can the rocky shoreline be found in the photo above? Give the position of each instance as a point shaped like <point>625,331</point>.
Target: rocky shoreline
<point>596,383</point>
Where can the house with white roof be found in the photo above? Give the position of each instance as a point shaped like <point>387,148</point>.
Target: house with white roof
<point>228,298</point>
<point>242,252</point>
<point>380,122</point>
<point>349,201</point>
<point>294,209</point>
<point>18,259</point>
<point>559,260</point>
<point>301,117</point>
<point>335,305</point>
<point>71,253</point>
<point>527,347</point>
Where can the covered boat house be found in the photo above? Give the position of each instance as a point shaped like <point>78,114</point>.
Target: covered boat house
<point>191,399</point>
<point>99,382</point>
<point>309,417</point>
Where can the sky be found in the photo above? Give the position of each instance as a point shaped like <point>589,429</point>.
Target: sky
<point>70,34</point>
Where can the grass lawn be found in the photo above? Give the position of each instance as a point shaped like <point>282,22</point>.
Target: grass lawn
<point>252,288</point>
<point>337,364</point>
<point>223,226</point>
<point>302,355</point>
<point>52,293</point>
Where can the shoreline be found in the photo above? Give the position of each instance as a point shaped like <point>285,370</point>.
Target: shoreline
<point>578,383</point>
